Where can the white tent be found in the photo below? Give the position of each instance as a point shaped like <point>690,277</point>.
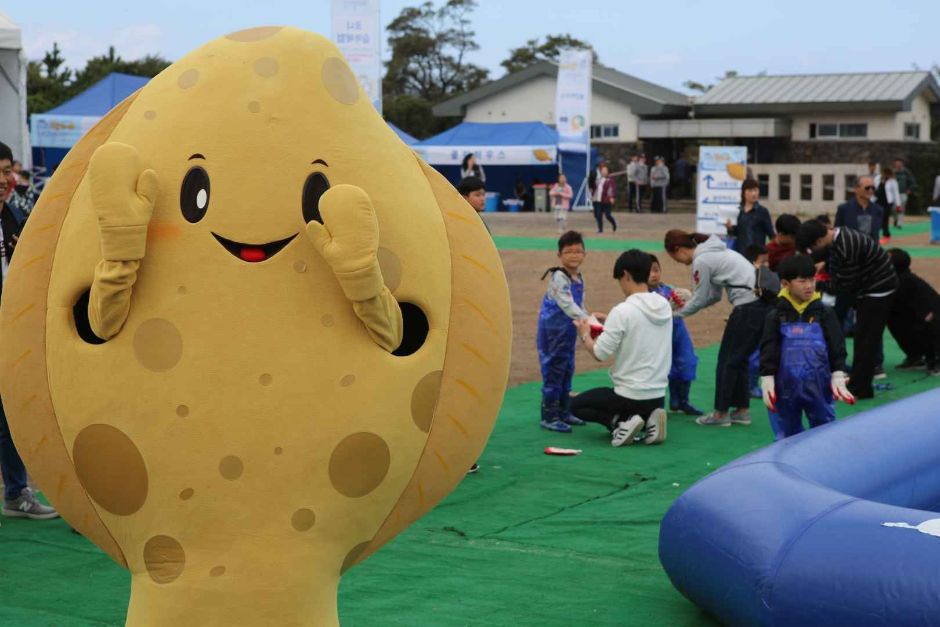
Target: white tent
<point>13,91</point>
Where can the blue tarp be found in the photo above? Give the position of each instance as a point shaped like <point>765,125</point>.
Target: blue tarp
<point>509,141</point>
<point>102,96</point>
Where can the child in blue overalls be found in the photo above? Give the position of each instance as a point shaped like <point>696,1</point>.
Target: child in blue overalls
<point>557,335</point>
<point>684,360</point>
<point>802,353</point>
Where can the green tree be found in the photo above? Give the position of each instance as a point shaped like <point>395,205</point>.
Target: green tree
<point>533,51</point>
<point>429,49</point>
<point>47,81</point>
<point>98,67</point>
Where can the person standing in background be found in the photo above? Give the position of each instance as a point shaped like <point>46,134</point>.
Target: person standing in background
<point>754,225</point>
<point>560,195</point>
<point>641,178</point>
<point>907,184</point>
<point>470,167</point>
<point>605,192</point>
<point>659,183</point>
<point>631,183</point>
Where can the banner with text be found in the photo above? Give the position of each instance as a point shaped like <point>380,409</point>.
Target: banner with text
<point>357,32</point>
<point>59,131</point>
<point>573,100</point>
<point>721,170</point>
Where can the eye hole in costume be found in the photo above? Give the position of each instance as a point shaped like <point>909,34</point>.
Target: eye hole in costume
<point>194,195</point>
<point>314,188</point>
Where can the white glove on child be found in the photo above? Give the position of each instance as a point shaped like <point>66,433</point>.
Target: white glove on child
<point>768,388</point>
<point>840,391</point>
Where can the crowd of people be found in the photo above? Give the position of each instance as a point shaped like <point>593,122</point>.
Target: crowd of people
<point>797,288</point>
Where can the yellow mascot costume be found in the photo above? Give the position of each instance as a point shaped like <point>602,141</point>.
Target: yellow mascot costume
<point>248,336</point>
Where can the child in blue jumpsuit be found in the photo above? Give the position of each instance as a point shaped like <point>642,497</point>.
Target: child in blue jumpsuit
<point>684,360</point>
<point>802,353</point>
<point>557,335</point>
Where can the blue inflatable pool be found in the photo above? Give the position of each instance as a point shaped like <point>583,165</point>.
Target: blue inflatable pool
<point>836,526</point>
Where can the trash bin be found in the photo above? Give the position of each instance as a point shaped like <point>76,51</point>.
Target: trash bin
<point>492,202</point>
<point>540,197</point>
<point>934,224</point>
<point>514,205</point>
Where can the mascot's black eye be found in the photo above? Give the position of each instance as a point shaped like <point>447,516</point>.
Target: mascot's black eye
<point>315,186</point>
<point>194,195</point>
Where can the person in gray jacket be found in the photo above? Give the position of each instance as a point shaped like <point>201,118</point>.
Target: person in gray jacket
<point>641,179</point>
<point>715,269</point>
<point>659,183</point>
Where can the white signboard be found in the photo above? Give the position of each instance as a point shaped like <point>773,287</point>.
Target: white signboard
<point>357,33</point>
<point>721,170</point>
<point>488,155</point>
<point>573,100</point>
<point>59,131</point>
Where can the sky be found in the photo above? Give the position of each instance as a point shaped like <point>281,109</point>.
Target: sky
<point>663,41</point>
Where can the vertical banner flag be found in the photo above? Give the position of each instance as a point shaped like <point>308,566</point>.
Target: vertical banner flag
<point>357,33</point>
<point>573,100</point>
<point>721,170</point>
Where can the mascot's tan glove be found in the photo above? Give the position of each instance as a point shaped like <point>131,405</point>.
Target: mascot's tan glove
<point>348,240</point>
<point>122,195</point>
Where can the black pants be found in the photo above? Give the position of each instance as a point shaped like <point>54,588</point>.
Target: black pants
<point>631,192</point>
<point>871,315</point>
<point>603,405</point>
<point>918,339</point>
<point>886,222</point>
<point>602,210</point>
<point>658,202</point>
<point>740,339</point>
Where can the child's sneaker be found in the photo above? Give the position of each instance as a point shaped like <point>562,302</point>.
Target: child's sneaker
<point>933,371</point>
<point>742,418</point>
<point>911,364</point>
<point>880,373</point>
<point>623,433</point>
<point>556,425</point>
<point>574,421</point>
<point>689,409</point>
<point>656,427</point>
<point>709,420</point>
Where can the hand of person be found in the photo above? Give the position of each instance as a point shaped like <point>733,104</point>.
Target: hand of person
<point>583,325</point>
<point>768,389</point>
<point>601,317</point>
<point>929,317</point>
<point>840,391</point>
<point>680,296</point>
<point>348,240</point>
<point>728,224</point>
<point>123,194</point>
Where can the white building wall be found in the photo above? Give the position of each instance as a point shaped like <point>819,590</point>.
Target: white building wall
<point>843,183</point>
<point>534,100</point>
<point>920,114</point>
<point>881,126</point>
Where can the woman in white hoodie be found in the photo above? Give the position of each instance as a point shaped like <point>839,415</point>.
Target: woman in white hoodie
<point>638,335</point>
<point>715,268</point>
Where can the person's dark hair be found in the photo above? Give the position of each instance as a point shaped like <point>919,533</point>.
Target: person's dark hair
<point>796,267</point>
<point>677,238</point>
<point>823,218</point>
<point>901,159</point>
<point>753,251</point>
<point>466,158</point>
<point>887,173</point>
<point>570,238</point>
<point>635,262</point>
<point>746,185</point>
<point>787,224</point>
<point>655,259</point>
<point>470,184</point>
<point>25,174</point>
<point>6,153</point>
<point>810,232</point>
<point>900,259</point>
<point>872,163</point>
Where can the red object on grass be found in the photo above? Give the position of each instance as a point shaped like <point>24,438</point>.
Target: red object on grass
<point>554,450</point>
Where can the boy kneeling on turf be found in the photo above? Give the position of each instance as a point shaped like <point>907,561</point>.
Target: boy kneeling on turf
<point>638,335</point>
<point>802,353</point>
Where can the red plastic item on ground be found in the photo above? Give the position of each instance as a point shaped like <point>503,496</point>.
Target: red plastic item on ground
<point>554,450</point>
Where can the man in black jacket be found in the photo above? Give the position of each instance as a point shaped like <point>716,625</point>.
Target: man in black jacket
<point>802,354</point>
<point>862,213</point>
<point>862,270</point>
<point>915,316</point>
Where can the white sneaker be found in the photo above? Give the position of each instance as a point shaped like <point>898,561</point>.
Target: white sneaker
<point>623,433</point>
<point>656,427</point>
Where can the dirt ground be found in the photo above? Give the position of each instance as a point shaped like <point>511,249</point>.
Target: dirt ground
<point>523,269</point>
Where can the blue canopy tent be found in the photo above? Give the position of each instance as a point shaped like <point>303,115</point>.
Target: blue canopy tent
<point>509,152</point>
<point>54,132</point>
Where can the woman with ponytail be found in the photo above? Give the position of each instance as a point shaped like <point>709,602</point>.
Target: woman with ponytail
<point>715,268</point>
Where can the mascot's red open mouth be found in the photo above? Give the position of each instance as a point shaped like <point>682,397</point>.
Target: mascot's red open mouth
<point>253,253</point>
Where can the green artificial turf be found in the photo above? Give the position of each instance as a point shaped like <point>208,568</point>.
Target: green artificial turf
<point>529,540</point>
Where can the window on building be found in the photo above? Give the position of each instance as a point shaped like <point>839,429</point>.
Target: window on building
<point>764,181</point>
<point>605,131</point>
<point>832,130</point>
<point>783,187</point>
<point>911,130</point>
<point>829,187</point>
<point>850,186</point>
<point>806,187</point>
